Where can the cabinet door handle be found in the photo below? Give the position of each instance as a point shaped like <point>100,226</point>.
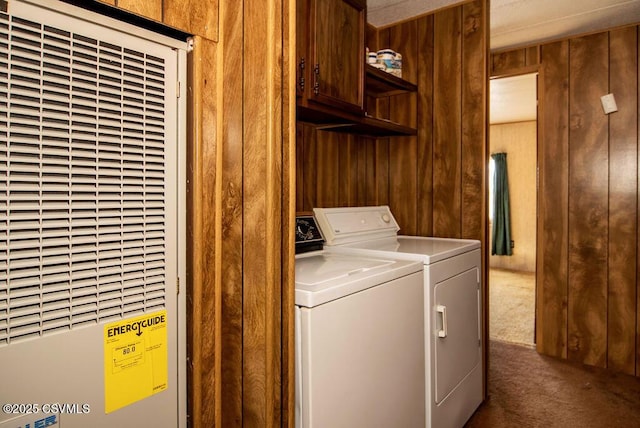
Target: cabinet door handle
<point>442,311</point>
<point>301,79</point>
<point>316,79</point>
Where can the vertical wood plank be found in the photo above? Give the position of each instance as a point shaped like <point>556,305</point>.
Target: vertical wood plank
<point>193,16</point>
<point>328,169</point>
<point>300,167</point>
<point>404,154</point>
<point>588,200</point>
<point>532,55</point>
<point>204,254</point>
<point>402,183</point>
<point>288,212</point>
<point>151,9</point>
<point>369,146</point>
<point>447,123</point>
<point>638,225</point>
<point>508,60</point>
<point>424,187</point>
<point>425,126</point>
<point>553,197</point>
<point>310,168</point>
<point>230,86</point>
<point>474,131</point>
<point>359,151</point>
<point>382,104</point>
<point>371,37</point>
<point>623,190</point>
<point>262,240</point>
<point>347,170</point>
<point>382,171</point>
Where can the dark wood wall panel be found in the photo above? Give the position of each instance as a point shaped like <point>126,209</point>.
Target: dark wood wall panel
<point>588,200</point>
<point>553,201</point>
<point>447,117</point>
<point>300,166</point>
<point>328,169</point>
<point>370,147</point>
<point>509,60</point>
<point>424,101</point>
<point>194,16</point>
<point>588,268</point>
<point>403,38</point>
<point>474,80</point>
<point>623,190</point>
<point>638,218</point>
<point>309,168</point>
<point>359,180</point>
<point>232,221</point>
<point>203,234</point>
<point>382,172</point>
<point>434,182</point>
<point>150,8</point>
<point>514,61</point>
<point>262,212</point>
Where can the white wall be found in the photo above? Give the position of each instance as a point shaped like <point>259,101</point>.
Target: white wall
<point>518,140</point>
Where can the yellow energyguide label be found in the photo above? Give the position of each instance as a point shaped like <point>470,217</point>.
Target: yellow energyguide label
<point>135,359</point>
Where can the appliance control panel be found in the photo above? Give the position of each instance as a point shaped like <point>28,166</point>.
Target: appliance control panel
<point>308,235</point>
<point>351,224</point>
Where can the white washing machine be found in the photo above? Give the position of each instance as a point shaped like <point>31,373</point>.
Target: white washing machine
<point>359,339</point>
<point>452,302</point>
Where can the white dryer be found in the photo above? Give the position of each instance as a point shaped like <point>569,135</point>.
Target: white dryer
<point>359,339</point>
<point>452,302</point>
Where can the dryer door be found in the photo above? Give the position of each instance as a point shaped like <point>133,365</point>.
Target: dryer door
<point>457,333</point>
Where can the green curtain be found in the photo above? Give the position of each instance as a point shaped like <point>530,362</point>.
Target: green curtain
<point>501,234</point>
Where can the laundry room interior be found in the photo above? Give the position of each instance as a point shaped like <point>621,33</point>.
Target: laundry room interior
<point>419,213</point>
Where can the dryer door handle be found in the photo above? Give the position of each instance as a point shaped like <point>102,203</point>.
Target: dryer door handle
<point>442,312</point>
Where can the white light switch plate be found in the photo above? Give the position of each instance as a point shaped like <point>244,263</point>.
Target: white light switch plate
<point>608,103</point>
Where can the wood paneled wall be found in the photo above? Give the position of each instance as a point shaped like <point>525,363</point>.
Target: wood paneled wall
<point>241,207</point>
<point>434,182</point>
<point>196,17</point>
<point>587,272</point>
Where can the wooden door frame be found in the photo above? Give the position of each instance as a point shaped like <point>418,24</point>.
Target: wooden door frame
<point>521,71</point>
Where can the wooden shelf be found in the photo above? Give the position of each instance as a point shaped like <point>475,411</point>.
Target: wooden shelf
<point>364,125</point>
<point>379,83</point>
<point>371,127</point>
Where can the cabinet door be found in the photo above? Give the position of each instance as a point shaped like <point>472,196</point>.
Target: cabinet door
<point>337,53</point>
<point>302,46</point>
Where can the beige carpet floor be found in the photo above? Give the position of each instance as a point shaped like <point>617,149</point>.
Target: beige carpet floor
<point>527,389</point>
<point>511,306</point>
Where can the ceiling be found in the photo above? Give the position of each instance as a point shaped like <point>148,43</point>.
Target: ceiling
<point>513,99</point>
<point>517,23</point>
<point>521,22</point>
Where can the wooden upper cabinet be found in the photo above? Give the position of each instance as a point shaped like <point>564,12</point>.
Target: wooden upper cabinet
<point>331,53</point>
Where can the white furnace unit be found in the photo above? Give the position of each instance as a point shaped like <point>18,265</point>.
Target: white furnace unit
<point>92,220</point>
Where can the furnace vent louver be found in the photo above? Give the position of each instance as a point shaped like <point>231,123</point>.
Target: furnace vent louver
<point>82,179</point>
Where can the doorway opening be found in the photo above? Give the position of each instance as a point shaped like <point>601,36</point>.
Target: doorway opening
<point>513,131</point>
